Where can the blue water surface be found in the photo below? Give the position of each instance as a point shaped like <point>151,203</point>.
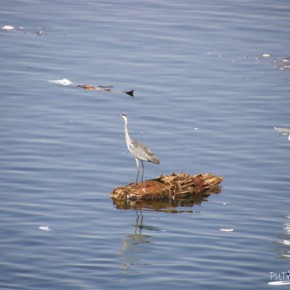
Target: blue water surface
<point>208,92</point>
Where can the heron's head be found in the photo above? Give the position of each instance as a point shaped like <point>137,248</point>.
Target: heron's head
<point>124,116</point>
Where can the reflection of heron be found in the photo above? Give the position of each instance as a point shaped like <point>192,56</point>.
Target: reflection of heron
<point>131,258</point>
<point>139,151</point>
<point>139,222</point>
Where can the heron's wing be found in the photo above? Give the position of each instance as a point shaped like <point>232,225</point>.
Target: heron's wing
<point>138,148</point>
<point>282,131</point>
<point>142,152</point>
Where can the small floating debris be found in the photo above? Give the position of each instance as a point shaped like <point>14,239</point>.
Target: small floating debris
<point>63,82</point>
<point>40,32</point>
<point>282,63</point>
<point>44,228</point>
<point>103,89</point>
<point>283,131</point>
<point>284,242</point>
<point>286,255</point>
<point>226,230</point>
<point>217,54</point>
<point>287,229</point>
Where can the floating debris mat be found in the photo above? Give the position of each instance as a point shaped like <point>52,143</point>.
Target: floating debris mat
<point>166,187</point>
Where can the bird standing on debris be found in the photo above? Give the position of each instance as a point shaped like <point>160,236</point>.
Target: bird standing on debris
<point>139,151</point>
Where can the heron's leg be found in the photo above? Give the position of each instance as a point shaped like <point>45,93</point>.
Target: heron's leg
<point>142,170</point>
<point>138,170</point>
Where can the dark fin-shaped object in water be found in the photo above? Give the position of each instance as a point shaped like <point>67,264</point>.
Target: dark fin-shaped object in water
<point>130,93</point>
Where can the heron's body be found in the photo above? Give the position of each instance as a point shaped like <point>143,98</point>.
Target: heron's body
<point>138,150</point>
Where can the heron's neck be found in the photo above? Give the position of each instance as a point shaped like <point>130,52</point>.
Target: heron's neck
<point>128,139</point>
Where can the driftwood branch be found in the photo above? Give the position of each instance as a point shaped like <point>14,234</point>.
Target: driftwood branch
<point>166,188</point>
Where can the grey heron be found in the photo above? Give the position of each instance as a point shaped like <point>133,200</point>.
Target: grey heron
<point>139,151</point>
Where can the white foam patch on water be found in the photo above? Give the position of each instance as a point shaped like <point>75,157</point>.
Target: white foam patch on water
<point>279,283</point>
<point>44,228</point>
<point>7,28</point>
<point>63,82</point>
<point>287,228</point>
<point>284,242</point>
<point>227,230</point>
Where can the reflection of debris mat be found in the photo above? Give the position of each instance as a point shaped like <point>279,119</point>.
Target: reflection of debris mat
<point>168,205</point>
<point>173,190</point>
